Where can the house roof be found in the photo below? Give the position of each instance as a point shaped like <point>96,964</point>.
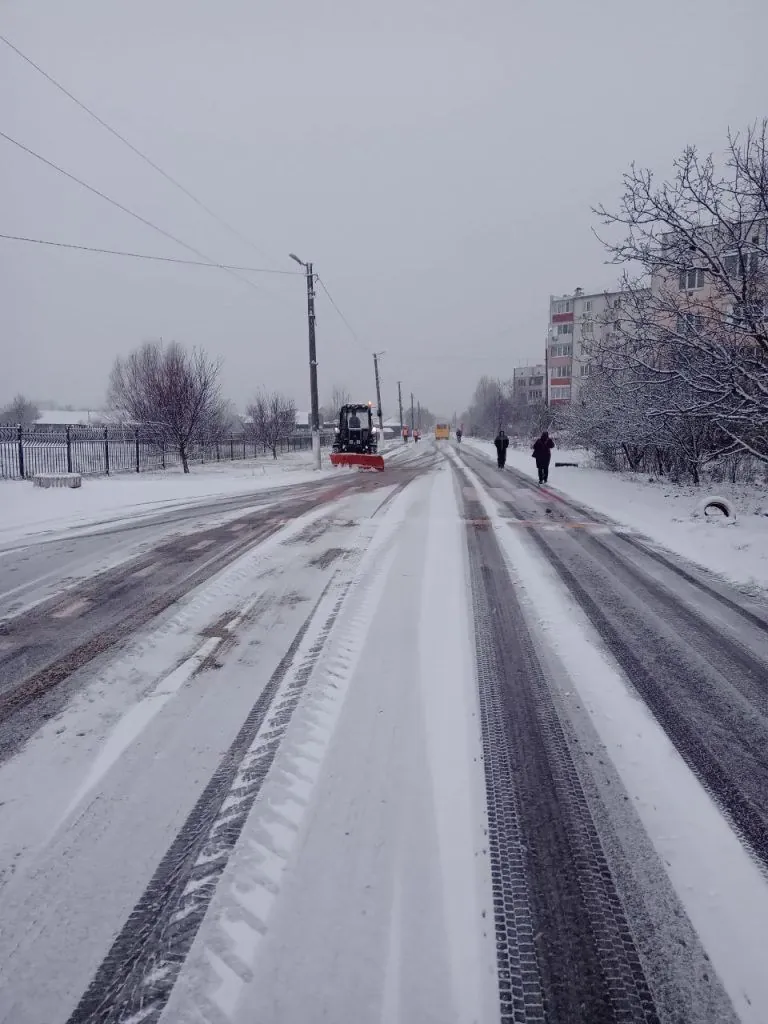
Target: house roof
<point>73,417</point>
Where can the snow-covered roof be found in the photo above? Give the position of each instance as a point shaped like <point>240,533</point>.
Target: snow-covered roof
<point>79,417</point>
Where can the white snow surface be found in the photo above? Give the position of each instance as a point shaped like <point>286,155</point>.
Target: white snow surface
<point>722,889</point>
<point>359,889</point>
<point>27,511</point>
<point>376,790</point>
<point>69,755</point>
<point>667,513</point>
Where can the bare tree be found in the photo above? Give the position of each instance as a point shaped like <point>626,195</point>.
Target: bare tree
<point>224,423</point>
<point>169,388</point>
<point>273,418</point>
<point>634,422</point>
<point>491,407</point>
<point>339,397</point>
<point>21,411</point>
<point>695,319</point>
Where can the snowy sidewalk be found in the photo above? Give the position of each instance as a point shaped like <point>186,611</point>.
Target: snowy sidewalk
<point>664,512</point>
<point>27,511</point>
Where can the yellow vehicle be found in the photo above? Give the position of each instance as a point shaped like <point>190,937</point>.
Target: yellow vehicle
<point>442,432</point>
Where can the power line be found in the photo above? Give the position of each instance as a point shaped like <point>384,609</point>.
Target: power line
<point>349,326</point>
<point>125,209</point>
<point>146,256</point>
<point>130,145</point>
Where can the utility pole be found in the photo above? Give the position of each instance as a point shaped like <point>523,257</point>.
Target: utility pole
<point>315,413</point>
<point>413,420</point>
<point>418,415</point>
<point>378,393</point>
<point>400,403</point>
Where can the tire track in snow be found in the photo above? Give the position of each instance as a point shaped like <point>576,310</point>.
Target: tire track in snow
<point>136,978</point>
<point>564,947</point>
<point>708,694</point>
<point>643,546</point>
<point>221,966</point>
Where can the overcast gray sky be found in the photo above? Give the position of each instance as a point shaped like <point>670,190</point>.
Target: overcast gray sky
<point>436,159</point>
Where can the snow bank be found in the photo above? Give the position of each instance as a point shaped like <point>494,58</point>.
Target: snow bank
<point>26,511</point>
<point>664,512</point>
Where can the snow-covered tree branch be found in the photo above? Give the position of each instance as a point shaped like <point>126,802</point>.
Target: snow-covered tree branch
<point>694,319</point>
<point>272,419</point>
<point>170,388</point>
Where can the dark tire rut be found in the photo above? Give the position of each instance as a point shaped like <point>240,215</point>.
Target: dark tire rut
<point>565,951</point>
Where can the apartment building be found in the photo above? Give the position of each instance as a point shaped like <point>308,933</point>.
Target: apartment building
<point>740,286</point>
<point>529,383</point>
<point>576,322</point>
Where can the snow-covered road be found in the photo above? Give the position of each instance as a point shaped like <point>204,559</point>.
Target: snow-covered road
<point>430,745</point>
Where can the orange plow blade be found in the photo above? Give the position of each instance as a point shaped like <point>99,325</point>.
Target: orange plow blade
<point>352,459</point>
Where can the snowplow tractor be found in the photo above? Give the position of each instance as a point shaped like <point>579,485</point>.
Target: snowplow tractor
<point>356,442</point>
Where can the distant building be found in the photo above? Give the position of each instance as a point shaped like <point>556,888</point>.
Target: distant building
<point>529,382</point>
<point>69,418</point>
<point>73,418</point>
<point>576,322</point>
<point>391,428</point>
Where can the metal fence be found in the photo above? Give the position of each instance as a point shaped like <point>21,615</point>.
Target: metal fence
<point>99,451</point>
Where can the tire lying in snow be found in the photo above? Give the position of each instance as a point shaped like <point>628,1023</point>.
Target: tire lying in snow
<point>716,507</point>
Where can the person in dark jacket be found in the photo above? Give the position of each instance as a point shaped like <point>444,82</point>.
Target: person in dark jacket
<point>542,452</point>
<point>502,443</point>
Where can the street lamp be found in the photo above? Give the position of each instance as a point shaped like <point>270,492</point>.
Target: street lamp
<point>315,413</point>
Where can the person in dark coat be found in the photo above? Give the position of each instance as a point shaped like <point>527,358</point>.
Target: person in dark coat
<point>502,443</point>
<point>542,452</point>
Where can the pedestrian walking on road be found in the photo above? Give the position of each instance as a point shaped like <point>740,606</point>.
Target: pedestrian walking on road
<point>542,452</point>
<point>502,443</point>
<point>458,435</point>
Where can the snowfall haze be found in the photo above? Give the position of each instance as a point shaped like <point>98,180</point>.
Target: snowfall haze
<point>437,161</point>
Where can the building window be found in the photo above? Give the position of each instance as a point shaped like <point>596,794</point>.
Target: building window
<point>537,381</point>
<point>733,263</point>
<point>588,305</point>
<point>745,314</point>
<point>562,391</point>
<point>561,350</point>
<point>561,371</point>
<point>565,328</point>
<point>585,370</point>
<point>563,307</point>
<point>688,323</point>
<point>691,279</point>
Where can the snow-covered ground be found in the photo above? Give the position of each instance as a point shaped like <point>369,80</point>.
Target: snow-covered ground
<point>359,883</point>
<point>724,892</point>
<point>378,791</point>
<point>26,511</point>
<point>665,512</point>
<point>377,788</point>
